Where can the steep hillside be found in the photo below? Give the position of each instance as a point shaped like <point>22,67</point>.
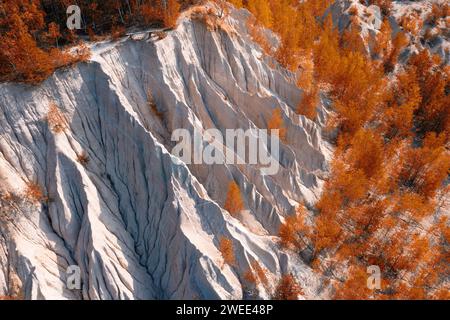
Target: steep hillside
<point>88,178</point>
<point>119,164</point>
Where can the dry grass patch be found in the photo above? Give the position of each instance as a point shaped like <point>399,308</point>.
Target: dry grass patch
<point>34,193</point>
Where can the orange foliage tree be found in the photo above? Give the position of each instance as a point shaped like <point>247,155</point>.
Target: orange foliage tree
<point>287,288</point>
<point>293,231</point>
<point>400,103</point>
<point>234,203</point>
<point>171,13</point>
<point>261,10</point>
<point>276,122</point>
<point>226,249</point>
<point>23,56</point>
<point>32,31</point>
<point>256,274</point>
<point>382,185</point>
<point>433,113</point>
<point>307,82</point>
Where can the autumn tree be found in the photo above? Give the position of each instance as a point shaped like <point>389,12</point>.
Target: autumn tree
<point>151,13</point>
<point>309,102</point>
<point>356,85</point>
<point>236,3</point>
<point>53,33</point>
<point>26,43</point>
<point>382,185</point>
<point>287,27</point>
<point>293,231</point>
<point>20,57</point>
<point>326,51</point>
<point>307,82</point>
<point>391,56</point>
<point>256,275</point>
<point>234,203</point>
<point>250,277</point>
<point>171,13</point>
<point>287,288</point>
<point>305,79</point>
<point>411,23</point>
<point>361,228</point>
<point>261,273</point>
<point>261,10</point>
<point>351,39</point>
<point>276,122</point>
<point>366,153</point>
<point>423,169</point>
<point>256,32</point>
<point>433,113</point>
<point>355,287</point>
<point>382,45</point>
<point>226,249</point>
<point>56,119</point>
<point>438,11</point>
<point>401,102</point>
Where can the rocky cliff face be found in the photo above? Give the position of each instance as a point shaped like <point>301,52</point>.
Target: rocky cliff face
<point>138,222</point>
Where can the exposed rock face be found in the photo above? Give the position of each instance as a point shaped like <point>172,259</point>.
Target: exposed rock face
<point>138,222</point>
